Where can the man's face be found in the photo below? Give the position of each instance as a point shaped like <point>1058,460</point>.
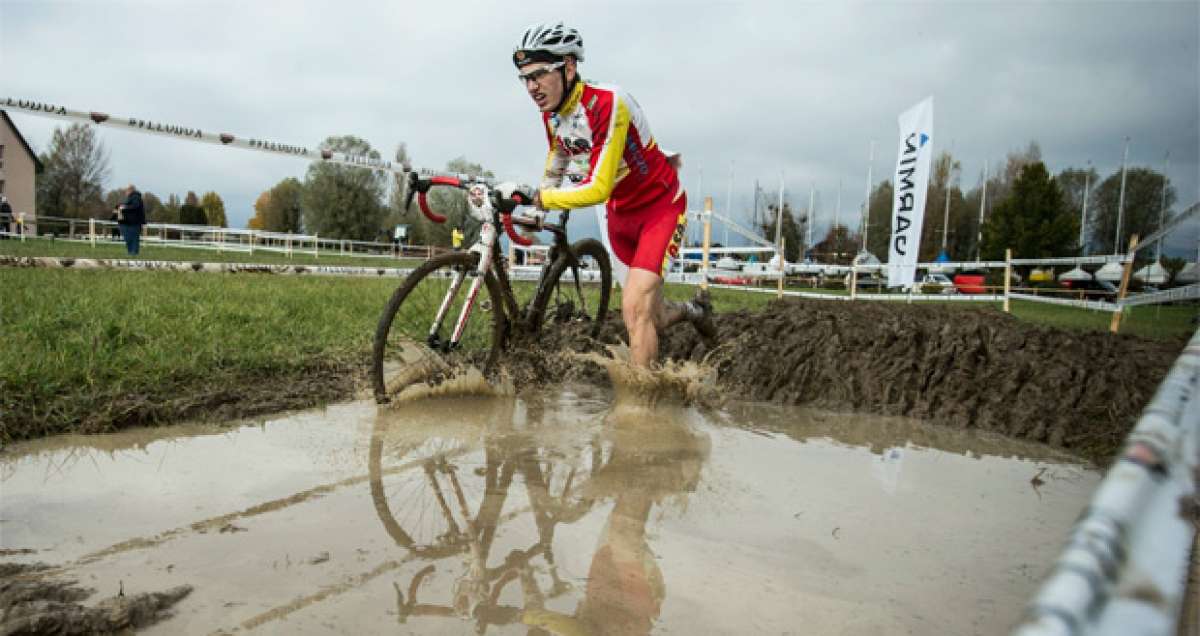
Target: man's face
<point>545,86</point>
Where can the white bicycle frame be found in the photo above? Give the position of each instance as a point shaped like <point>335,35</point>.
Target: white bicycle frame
<point>480,204</point>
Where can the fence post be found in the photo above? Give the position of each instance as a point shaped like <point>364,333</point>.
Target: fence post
<point>288,245</point>
<point>71,231</point>
<point>21,225</point>
<point>707,217</point>
<point>316,246</point>
<point>253,236</point>
<point>1007,276</point>
<point>853,280</point>
<point>1115,325</point>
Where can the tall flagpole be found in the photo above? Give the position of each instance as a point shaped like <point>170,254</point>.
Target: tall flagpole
<point>1121,201</point>
<point>867,202</point>
<point>1162,207</point>
<point>728,204</point>
<point>982,202</point>
<point>812,213</point>
<point>779,222</point>
<point>1083,211</point>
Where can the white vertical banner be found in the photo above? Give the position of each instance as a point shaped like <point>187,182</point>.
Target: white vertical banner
<point>911,186</point>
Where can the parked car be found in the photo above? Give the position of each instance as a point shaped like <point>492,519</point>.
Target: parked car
<point>1093,289</point>
<point>937,284</point>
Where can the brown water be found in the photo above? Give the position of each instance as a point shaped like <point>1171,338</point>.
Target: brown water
<point>452,514</point>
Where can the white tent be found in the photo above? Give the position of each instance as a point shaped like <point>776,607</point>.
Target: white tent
<point>728,263</point>
<point>1188,275</point>
<point>866,258</point>
<point>1111,272</point>
<point>1152,274</point>
<point>1076,274</point>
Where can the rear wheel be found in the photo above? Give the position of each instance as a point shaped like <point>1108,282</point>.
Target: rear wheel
<point>411,346</point>
<point>576,295</point>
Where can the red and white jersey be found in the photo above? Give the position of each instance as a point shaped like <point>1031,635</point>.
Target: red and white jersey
<point>601,150</point>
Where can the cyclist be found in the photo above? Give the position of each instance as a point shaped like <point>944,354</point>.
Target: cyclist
<point>601,151</point>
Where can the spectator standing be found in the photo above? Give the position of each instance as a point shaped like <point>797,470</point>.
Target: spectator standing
<point>6,217</point>
<point>131,216</point>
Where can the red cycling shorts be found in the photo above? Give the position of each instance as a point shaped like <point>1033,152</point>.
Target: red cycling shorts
<point>650,236</point>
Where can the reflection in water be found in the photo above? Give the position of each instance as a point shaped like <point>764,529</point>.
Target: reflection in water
<point>441,496</point>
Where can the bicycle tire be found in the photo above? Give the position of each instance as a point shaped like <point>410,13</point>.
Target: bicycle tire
<point>561,301</point>
<point>402,337</point>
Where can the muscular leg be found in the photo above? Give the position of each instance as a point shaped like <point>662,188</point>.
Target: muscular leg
<point>645,313</point>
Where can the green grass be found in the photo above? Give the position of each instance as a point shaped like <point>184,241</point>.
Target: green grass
<point>152,252</point>
<point>88,350</point>
<point>1160,322</point>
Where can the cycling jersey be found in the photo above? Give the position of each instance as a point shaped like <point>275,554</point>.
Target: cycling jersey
<point>601,150</point>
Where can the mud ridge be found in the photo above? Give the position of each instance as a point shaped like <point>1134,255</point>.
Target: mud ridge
<point>965,367</point>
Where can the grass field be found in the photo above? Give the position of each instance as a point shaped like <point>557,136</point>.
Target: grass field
<point>97,350</point>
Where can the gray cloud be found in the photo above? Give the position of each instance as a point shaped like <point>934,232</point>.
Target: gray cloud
<point>773,86</point>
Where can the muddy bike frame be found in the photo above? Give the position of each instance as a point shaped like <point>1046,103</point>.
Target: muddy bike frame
<point>492,209</point>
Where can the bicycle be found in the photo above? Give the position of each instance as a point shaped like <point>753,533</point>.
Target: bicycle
<point>414,337</point>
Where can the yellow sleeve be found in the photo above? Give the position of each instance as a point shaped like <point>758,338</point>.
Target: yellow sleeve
<point>608,146</point>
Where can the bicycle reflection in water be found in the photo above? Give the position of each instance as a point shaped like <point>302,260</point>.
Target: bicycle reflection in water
<point>444,488</point>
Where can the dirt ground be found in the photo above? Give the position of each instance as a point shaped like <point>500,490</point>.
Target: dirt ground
<point>969,368</point>
<point>33,605</point>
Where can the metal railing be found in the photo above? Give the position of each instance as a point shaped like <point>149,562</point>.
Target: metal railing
<point>1124,569</point>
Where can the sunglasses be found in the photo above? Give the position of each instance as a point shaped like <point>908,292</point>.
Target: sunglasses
<point>537,74</point>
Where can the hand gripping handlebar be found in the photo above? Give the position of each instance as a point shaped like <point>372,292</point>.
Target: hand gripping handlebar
<point>420,187</point>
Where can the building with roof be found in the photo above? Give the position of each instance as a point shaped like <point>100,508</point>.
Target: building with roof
<point>19,166</point>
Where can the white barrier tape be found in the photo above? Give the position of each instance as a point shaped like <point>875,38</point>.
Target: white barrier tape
<point>1099,305</point>
<point>190,133</point>
<point>1191,292</point>
<point>1169,227</point>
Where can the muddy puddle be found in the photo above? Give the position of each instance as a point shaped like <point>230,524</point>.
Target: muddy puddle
<point>556,510</point>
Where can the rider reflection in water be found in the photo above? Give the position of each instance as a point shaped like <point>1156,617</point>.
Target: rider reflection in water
<point>650,464</point>
<point>601,151</point>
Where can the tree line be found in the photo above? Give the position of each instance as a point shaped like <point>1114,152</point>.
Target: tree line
<point>1025,208</point>
<point>345,202</point>
<point>72,185</point>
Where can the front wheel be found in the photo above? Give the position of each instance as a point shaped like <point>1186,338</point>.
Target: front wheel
<point>576,294</point>
<point>414,340</point>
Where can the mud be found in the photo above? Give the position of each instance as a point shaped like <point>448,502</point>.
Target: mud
<point>963,367</point>
<point>33,605</point>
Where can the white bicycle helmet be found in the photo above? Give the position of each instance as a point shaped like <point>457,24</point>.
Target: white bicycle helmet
<point>548,43</point>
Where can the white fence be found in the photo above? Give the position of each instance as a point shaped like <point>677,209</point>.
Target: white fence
<point>219,239</point>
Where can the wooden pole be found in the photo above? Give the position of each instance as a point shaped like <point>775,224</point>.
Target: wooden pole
<point>853,281</point>
<point>1007,276</point>
<point>92,231</point>
<point>317,246</point>
<point>1115,326</point>
<point>708,204</point>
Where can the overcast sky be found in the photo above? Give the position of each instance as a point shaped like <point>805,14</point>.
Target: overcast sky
<point>783,86</point>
